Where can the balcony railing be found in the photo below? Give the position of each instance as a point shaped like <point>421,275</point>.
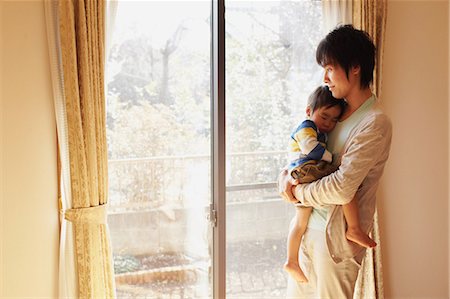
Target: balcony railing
<point>148,183</point>
<point>150,203</point>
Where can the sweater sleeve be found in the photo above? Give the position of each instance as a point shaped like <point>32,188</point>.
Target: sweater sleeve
<point>360,156</point>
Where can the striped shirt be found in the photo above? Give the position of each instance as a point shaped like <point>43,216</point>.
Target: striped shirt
<point>307,144</point>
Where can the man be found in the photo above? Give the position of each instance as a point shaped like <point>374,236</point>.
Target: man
<point>360,143</point>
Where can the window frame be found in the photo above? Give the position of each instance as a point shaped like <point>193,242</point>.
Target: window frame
<point>218,148</point>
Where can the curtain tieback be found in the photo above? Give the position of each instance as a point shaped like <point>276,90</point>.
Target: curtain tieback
<point>92,215</point>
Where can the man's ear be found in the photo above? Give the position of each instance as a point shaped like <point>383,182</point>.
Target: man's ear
<point>355,70</point>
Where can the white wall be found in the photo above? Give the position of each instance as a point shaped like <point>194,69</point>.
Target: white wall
<point>29,194</point>
<point>414,198</point>
<point>1,152</point>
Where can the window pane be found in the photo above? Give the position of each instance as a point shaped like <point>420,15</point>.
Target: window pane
<point>158,130</point>
<point>270,71</point>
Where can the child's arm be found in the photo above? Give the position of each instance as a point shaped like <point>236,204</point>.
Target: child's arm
<point>307,139</point>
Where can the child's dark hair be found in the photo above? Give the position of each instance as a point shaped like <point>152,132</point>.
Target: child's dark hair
<point>348,47</point>
<point>322,97</point>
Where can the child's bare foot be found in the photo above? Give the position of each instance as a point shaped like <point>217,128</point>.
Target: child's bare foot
<point>360,238</point>
<point>295,271</point>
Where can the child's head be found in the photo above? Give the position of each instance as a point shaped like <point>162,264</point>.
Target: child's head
<point>348,47</point>
<point>324,110</point>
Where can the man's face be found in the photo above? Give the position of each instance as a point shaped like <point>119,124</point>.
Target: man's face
<point>338,83</point>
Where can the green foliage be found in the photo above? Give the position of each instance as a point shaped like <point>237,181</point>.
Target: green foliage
<point>159,96</point>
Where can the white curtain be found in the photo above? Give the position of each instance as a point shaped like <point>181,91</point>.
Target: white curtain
<point>67,273</point>
<point>336,12</point>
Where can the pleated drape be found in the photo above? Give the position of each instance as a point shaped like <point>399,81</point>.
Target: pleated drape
<point>370,16</point>
<point>370,279</point>
<point>78,69</point>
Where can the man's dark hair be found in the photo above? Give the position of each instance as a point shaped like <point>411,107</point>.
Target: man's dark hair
<point>322,97</point>
<point>348,47</point>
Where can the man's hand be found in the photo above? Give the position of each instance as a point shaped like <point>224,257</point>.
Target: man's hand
<point>286,185</point>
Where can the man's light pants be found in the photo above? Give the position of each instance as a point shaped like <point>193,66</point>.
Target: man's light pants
<point>327,280</point>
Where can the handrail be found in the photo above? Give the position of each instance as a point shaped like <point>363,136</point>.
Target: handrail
<point>255,186</point>
<point>143,159</point>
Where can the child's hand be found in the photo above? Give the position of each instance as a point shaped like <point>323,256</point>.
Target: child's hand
<point>285,186</point>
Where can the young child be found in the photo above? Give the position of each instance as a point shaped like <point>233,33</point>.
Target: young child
<point>311,161</point>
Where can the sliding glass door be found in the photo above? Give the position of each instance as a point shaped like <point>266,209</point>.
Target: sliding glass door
<point>270,70</point>
<point>201,99</point>
<point>159,136</point>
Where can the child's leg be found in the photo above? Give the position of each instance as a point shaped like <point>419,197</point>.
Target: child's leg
<point>354,231</point>
<point>296,231</point>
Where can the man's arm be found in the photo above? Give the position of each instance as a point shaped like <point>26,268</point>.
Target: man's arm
<point>362,154</point>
